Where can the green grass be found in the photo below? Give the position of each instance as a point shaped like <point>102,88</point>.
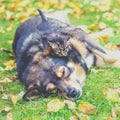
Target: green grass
<point>92,91</point>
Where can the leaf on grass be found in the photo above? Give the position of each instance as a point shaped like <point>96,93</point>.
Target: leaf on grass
<point>97,70</point>
<point>73,118</point>
<point>84,117</point>
<point>71,105</point>
<point>109,118</point>
<point>5,96</point>
<point>112,94</point>
<point>13,98</point>
<point>93,26</point>
<point>102,25</point>
<point>114,113</point>
<point>9,116</point>
<point>9,64</point>
<point>7,109</point>
<point>10,42</point>
<point>5,80</point>
<point>86,108</point>
<point>55,105</point>
<point>1,88</point>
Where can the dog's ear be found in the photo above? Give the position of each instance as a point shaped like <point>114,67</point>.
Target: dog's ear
<point>32,94</point>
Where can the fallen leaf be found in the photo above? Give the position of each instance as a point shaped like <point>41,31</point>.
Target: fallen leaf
<point>104,38</point>
<point>5,80</point>
<point>1,88</point>
<point>9,64</point>
<point>97,70</point>
<point>71,104</point>
<point>9,116</point>
<point>86,108</point>
<point>114,113</point>
<point>55,105</point>
<point>102,26</point>
<point>93,26</point>
<point>5,96</point>
<point>13,98</point>
<point>109,118</point>
<point>7,109</point>
<point>112,94</point>
<point>84,117</point>
<point>73,118</point>
<point>10,42</point>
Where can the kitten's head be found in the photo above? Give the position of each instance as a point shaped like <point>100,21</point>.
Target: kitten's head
<point>58,44</point>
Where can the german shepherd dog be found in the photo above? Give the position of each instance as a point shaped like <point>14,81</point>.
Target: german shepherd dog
<point>43,69</point>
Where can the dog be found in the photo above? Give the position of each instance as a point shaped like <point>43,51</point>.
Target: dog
<point>44,73</point>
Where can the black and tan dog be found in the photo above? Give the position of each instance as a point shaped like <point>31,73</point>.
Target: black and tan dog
<point>44,69</point>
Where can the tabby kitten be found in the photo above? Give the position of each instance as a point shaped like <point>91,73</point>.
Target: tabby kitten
<point>55,44</point>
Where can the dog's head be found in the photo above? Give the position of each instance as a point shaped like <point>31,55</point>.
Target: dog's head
<point>65,77</point>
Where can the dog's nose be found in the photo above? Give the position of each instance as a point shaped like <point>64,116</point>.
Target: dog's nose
<point>73,93</point>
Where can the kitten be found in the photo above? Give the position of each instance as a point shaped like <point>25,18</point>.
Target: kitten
<point>55,44</point>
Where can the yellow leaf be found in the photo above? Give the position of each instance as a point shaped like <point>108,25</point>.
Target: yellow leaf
<point>97,71</point>
<point>93,26</point>
<point>112,94</point>
<point>109,118</point>
<point>105,38</point>
<point>9,64</point>
<point>13,99</point>
<point>86,108</point>
<point>10,42</point>
<point>55,105</point>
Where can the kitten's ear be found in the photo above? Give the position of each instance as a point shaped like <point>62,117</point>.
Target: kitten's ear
<point>32,94</point>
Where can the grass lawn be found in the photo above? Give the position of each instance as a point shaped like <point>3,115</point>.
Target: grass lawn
<point>11,14</point>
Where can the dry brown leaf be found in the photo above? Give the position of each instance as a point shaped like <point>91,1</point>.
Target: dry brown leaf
<point>102,26</point>
<point>55,105</point>
<point>1,88</point>
<point>114,113</point>
<point>7,109</point>
<point>73,118</point>
<point>13,98</point>
<point>84,117</point>
<point>71,105</point>
<point>112,94</point>
<point>5,96</point>
<point>5,80</point>
<point>9,116</point>
<point>86,108</point>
